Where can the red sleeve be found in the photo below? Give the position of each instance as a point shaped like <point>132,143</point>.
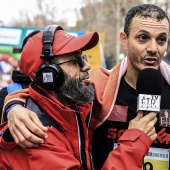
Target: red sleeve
<point>133,145</point>
<point>56,153</point>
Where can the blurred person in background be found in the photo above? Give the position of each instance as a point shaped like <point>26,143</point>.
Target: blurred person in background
<point>5,74</point>
<point>7,64</point>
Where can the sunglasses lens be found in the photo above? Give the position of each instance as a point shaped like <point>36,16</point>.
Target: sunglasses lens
<point>80,61</point>
<point>85,58</point>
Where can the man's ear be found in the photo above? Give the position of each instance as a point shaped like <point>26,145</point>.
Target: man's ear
<point>123,39</point>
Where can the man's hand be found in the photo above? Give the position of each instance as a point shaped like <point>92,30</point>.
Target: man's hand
<point>25,127</point>
<point>145,124</point>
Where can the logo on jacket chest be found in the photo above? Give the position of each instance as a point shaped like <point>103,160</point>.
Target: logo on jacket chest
<point>119,113</point>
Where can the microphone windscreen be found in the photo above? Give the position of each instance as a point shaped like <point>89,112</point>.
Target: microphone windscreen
<point>149,81</point>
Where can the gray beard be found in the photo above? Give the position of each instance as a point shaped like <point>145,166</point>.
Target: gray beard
<point>72,91</point>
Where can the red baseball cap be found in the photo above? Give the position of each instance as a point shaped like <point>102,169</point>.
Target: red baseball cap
<point>64,43</point>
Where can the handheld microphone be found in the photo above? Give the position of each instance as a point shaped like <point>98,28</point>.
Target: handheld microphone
<point>149,87</point>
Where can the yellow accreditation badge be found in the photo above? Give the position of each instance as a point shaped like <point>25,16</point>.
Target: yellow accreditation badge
<point>156,159</point>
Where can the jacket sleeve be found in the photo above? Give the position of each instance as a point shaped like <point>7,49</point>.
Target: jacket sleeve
<point>133,145</point>
<point>19,95</point>
<point>55,153</point>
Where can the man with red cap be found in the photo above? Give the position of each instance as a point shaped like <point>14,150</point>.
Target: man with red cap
<point>61,96</point>
<point>60,78</point>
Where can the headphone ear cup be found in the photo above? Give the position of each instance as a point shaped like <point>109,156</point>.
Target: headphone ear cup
<point>49,76</point>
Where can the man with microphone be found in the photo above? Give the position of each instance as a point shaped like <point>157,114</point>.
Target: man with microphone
<point>145,40</point>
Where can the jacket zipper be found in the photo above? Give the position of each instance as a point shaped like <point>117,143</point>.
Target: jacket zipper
<point>88,120</point>
<point>81,136</point>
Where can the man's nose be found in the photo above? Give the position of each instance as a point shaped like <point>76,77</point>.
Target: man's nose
<point>86,67</point>
<point>152,47</point>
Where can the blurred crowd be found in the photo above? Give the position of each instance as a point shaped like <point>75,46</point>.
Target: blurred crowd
<point>7,65</point>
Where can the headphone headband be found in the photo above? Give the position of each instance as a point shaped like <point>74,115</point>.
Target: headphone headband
<point>47,40</point>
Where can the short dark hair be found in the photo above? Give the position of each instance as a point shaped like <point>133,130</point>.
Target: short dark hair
<point>146,11</point>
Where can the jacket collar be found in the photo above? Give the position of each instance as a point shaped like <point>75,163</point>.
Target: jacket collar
<point>63,115</point>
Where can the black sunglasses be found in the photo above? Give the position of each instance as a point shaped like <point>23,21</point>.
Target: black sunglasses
<point>79,60</point>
